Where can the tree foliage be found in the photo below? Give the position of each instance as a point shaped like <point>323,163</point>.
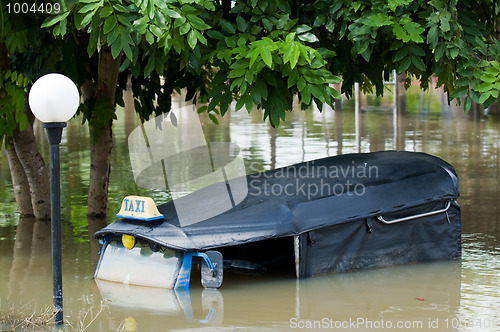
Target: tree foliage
<point>265,52</point>
<point>453,40</point>
<point>26,52</point>
<point>262,53</point>
<point>254,54</point>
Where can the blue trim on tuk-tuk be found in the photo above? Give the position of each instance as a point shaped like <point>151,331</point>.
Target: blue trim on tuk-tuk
<point>182,282</point>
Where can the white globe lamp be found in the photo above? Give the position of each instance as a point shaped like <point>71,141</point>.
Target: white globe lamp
<point>54,98</point>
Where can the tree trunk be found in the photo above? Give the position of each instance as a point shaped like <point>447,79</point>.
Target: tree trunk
<point>35,170</point>
<point>19,182</point>
<point>100,156</point>
<point>101,135</point>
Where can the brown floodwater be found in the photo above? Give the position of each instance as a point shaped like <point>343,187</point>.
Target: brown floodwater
<point>436,296</point>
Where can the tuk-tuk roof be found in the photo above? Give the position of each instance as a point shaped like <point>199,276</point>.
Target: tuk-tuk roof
<point>307,196</point>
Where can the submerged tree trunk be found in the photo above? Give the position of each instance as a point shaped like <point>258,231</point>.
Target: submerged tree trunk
<point>101,134</point>
<point>20,182</point>
<point>100,159</point>
<point>35,170</point>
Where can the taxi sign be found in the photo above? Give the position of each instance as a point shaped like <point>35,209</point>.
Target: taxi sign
<point>139,208</point>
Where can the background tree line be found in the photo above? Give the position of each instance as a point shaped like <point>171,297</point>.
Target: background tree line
<point>257,53</point>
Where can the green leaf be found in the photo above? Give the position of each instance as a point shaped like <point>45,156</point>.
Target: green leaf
<point>317,92</point>
<point>249,76</point>
<point>241,23</point>
<point>23,122</point>
<point>13,77</point>
<point>123,20</point>
<point>432,35</point>
<point>197,23</point>
<point>406,30</point>
<point>404,65</point>
<point>474,96</point>
<point>248,103</point>
<point>201,38</point>
<point>308,37</point>
<point>266,56</point>
<point>236,83</point>
<point>418,63</point>
<point>489,78</point>
<point>459,92</point>
<point>261,88</point>
<point>377,20</point>
<point>214,34</point>
<point>334,93</point>
<point>109,24</point>
<point>301,83</point>
<point>93,40</point>
<point>439,52</point>
<point>254,55</point>
<point>184,29</point>
<point>128,51</point>
<point>486,86</point>
<point>230,41</point>
<point>120,8</point>
<point>150,38</point>
<point>240,103</point>
<point>268,25</point>
<point>55,19</point>
<point>191,39</point>
<point>320,20</point>
<point>400,54</point>
<point>417,50</point>
<point>228,27</point>
<point>302,28</point>
<point>149,66</point>
<point>454,52</point>
<point>86,20</point>
<point>213,118</point>
<point>89,7</point>
<point>287,52</point>
<point>485,96</point>
<point>467,104</point>
<point>156,31</point>
<point>294,57</point>
<point>60,29</point>
<point>105,12</point>
<point>172,13</point>
<point>237,73</point>
<point>116,48</point>
<point>462,81</point>
<point>305,96</point>
<point>179,22</point>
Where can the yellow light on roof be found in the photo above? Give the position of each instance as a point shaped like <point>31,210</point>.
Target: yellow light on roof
<point>139,208</point>
<point>128,241</point>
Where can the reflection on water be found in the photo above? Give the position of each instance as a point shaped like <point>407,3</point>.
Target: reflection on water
<point>444,296</point>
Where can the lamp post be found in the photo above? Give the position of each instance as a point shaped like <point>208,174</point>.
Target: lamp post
<point>54,99</point>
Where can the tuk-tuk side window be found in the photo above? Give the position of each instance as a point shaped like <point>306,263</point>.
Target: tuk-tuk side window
<point>140,265</point>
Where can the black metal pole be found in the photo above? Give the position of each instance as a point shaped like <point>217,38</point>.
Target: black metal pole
<point>54,133</point>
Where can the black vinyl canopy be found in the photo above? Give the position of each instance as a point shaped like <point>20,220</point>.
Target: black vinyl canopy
<point>304,197</point>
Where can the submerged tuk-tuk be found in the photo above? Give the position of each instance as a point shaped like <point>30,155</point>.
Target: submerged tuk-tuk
<point>335,214</point>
